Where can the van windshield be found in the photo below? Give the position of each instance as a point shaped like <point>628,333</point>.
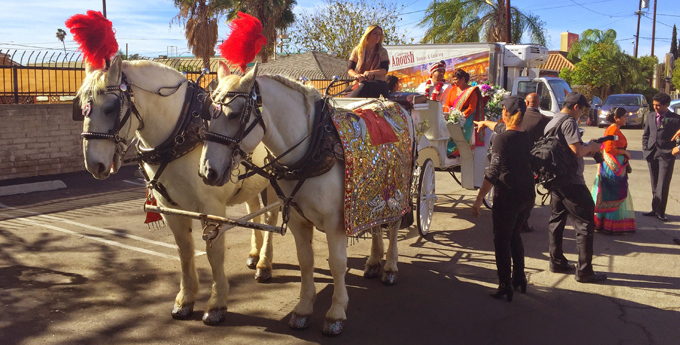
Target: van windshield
<point>561,89</point>
<point>622,100</point>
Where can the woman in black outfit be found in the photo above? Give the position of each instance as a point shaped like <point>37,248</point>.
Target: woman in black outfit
<point>510,174</point>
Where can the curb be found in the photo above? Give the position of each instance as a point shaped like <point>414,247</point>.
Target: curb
<point>31,187</point>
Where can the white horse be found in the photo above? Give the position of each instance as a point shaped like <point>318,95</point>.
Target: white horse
<point>287,108</point>
<point>103,96</point>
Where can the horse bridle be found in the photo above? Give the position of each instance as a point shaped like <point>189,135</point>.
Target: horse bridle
<point>253,101</point>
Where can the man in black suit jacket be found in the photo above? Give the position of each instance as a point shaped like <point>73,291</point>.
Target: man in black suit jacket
<point>660,150</point>
<point>534,122</point>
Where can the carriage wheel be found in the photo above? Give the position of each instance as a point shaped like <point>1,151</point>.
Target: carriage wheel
<point>426,197</point>
<point>488,199</point>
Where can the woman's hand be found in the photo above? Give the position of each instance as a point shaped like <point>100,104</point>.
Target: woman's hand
<point>626,154</point>
<point>480,124</point>
<point>676,136</point>
<point>476,207</point>
<point>675,151</point>
<point>359,77</point>
<point>369,75</point>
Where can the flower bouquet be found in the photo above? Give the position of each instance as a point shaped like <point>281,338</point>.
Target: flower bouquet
<point>456,117</point>
<point>493,95</point>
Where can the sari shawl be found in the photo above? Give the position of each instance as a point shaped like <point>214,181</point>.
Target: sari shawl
<point>470,103</point>
<point>611,182</point>
<point>369,60</point>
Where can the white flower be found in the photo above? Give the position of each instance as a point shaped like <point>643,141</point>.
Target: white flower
<point>456,117</point>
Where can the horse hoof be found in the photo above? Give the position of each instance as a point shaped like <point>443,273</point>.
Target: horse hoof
<point>333,327</point>
<point>182,312</point>
<point>389,278</point>
<point>252,262</point>
<point>371,271</point>
<point>299,321</point>
<point>215,316</point>
<point>263,275</point>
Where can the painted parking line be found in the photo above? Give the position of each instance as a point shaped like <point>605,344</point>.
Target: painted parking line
<point>94,238</point>
<point>95,228</point>
<point>136,183</point>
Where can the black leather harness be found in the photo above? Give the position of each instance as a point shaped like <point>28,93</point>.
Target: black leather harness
<point>184,139</point>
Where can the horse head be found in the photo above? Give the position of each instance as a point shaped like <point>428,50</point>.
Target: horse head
<point>106,133</point>
<point>232,132</point>
<point>111,118</point>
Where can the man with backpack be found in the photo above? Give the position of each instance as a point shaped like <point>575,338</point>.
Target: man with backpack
<point>572,198</point>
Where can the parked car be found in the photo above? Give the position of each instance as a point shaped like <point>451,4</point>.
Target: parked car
<point>635,104</point>
<point>595,104</point>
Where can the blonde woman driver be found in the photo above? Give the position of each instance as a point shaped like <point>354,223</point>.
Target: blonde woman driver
<point>368,65</point>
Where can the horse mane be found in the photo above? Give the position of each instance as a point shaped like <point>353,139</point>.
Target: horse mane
<point>95,81</point>
<point>310,94</point>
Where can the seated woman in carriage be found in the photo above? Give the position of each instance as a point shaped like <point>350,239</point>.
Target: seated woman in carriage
<point>368,65</point>
<point>466,99</point>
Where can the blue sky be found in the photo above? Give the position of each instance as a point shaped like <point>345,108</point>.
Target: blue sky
<point>144,25</point>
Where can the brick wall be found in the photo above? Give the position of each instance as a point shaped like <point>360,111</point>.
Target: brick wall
<point>39,139</point>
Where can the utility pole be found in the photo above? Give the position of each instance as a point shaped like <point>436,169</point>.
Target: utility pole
<point>104,3</point>
<point>637,35</point>
<point>508,36</point>
<point>654,28</point>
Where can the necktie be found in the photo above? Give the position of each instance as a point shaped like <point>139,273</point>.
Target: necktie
<point>658,120</point>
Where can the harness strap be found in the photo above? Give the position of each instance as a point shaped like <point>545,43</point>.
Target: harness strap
<point>153,184</point>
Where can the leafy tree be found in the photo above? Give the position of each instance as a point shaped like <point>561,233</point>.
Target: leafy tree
<point>337,25</point>
<point>200,18</point>
<point>61,34</point>
<point>593,39</point>
<point>274,14</point>
<point>477,20</point>
<point>674,43</point>
<point>676,76</point>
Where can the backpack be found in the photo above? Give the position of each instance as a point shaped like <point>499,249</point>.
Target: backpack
<point>552,161</point>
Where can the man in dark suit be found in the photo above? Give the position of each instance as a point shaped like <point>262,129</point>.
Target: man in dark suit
<point>534,122</point>
<point>659,150</point>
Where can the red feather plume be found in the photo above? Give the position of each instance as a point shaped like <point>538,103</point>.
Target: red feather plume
<point>95,36</point>
<point>244,42</point>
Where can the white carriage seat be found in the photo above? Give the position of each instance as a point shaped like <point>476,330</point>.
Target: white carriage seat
<point>433,113</point>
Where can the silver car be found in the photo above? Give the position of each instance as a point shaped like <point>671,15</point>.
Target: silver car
<point>635,104</point>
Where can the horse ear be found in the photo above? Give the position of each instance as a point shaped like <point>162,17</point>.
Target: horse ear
<point>249,78</point>
<point>115,70</point>
<point>222,71</point>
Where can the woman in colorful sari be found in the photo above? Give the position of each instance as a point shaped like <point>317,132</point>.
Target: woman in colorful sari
<point>614,212</point>
<point>368,65</point>
<point>468,100</point>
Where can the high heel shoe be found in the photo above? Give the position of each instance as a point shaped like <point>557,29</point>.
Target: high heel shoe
<point>503,290</point>
<point>522,285</point>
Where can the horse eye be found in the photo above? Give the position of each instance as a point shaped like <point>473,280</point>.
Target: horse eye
<point>110,109</point>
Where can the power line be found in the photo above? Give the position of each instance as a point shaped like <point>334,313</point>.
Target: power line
<point>602,14</point>
<point>550,8</point>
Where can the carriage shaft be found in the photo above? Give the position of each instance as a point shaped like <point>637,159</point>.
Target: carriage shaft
<point>222,220</point>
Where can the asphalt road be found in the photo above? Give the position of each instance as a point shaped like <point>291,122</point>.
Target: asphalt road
<point>78,266</point>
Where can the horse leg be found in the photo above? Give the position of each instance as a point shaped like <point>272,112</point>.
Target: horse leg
<point>253,205</point>
<point>303,234</point>
<point>217,305</point>
<point>373,264</point>
<point>337,260</point>
<point>264,265</point>
<point>188,287</point>
<point>390,272</point>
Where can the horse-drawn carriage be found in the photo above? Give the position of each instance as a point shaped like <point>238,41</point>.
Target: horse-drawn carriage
<point>337,171</point>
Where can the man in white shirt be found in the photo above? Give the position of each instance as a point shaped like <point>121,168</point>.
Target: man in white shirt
<point>435,88</point>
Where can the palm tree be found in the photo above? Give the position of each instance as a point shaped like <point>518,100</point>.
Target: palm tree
<point>477,20</point>
<point>274,14</point>
<point>61,34</point>
<point>200,18</point>
<point>592,39</point>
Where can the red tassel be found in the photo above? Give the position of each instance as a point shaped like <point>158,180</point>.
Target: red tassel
<point>151,217</point>
<point>244,42</point>
<point>95,36</point>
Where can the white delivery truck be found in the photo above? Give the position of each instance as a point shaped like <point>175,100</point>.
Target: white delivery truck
<point>512,67</point>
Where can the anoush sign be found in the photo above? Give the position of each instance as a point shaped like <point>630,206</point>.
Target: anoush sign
<point>405,56</point>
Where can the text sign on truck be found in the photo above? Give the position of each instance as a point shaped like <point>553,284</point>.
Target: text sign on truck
<point>411,64</point>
